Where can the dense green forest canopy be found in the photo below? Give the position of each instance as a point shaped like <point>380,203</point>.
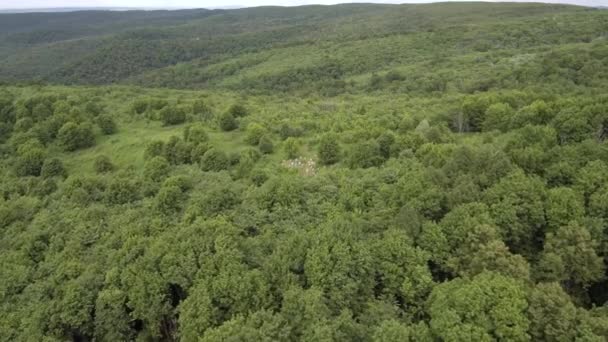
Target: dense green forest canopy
<point>346,173</point>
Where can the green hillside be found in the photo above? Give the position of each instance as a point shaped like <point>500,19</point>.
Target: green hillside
<point>319,173</point>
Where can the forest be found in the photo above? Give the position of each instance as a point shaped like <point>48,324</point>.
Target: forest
<point>358,172</point>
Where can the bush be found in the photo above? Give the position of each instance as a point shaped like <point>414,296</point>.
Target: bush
<point>328,150</point>
<point>196,134</point>
<point>364,155</point>
<point>73,137</point>
<point>201,109</point>
<point>53,168</point>
<point>214,160</point>
<point>106,124</point>
<point>171,115</point>
<point>122,191</point>
<point>227,122</point>
<point>266,146</point>
<point>168,199</point>
<point>103,164</point>
<point>30,163</point>
<point>254,133</point>
<point>157,168</point>
<point>238,111</point>
<point>154,149</point>
<point>291,147</point>
<point>139,106</point>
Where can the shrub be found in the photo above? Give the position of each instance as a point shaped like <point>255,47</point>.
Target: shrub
<point>328,150</point>
<point>73,137</point>
<point>103,164</point>
<point>157,168</point>
<point>201,109</point>
<point>214,160</point>
<point>168,199</point>
<point>106,124</point>
<point>154,149</point>
<point>122,191</point>
<point>196,134</point>
<point>53,168</point>
<point>238,110</point>
<point>266,146</point>
<point>172,115</point>
<point>227,122</point>
<point>139,106</point>
<point>30,163</point>
<point>254,133</point>
<point>291,147</point>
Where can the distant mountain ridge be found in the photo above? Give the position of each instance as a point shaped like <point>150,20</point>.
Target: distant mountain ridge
<point>285,49</point>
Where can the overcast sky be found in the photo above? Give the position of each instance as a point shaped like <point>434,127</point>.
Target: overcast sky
<point>12,4</point>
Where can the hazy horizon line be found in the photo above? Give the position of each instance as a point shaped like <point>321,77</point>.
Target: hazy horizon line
<point>236,6</point>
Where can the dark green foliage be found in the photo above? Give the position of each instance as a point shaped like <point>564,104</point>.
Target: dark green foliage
<point>171,115</point>
<point>328,150</point>
<point>103,164</point>
<point>53,167</point>
<point>266,145</point>
<point>366,154</point>
<point>106,124</point>
<point>30,162</point>
<point>227,122</point>
<point>74,136</point>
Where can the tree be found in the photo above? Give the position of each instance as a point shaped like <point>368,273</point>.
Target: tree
<point>551,313</point>
<point>517,205</point>
<point>72,136</point>
<point>570,256</point>
<point>497,116</point>
<point>328,150</point>
<point>227,122</point>
<point>563,205</point>
<point>364,155</point>
<point>486,307</point>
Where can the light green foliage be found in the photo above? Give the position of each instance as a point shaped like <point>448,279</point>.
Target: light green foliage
<point>254,133</point>
<point>570,255</point>
<point>552,315</point>
<point>485,308</point>
<point>431,172</point>
<point>563,205</point>
<point>291,148</point>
